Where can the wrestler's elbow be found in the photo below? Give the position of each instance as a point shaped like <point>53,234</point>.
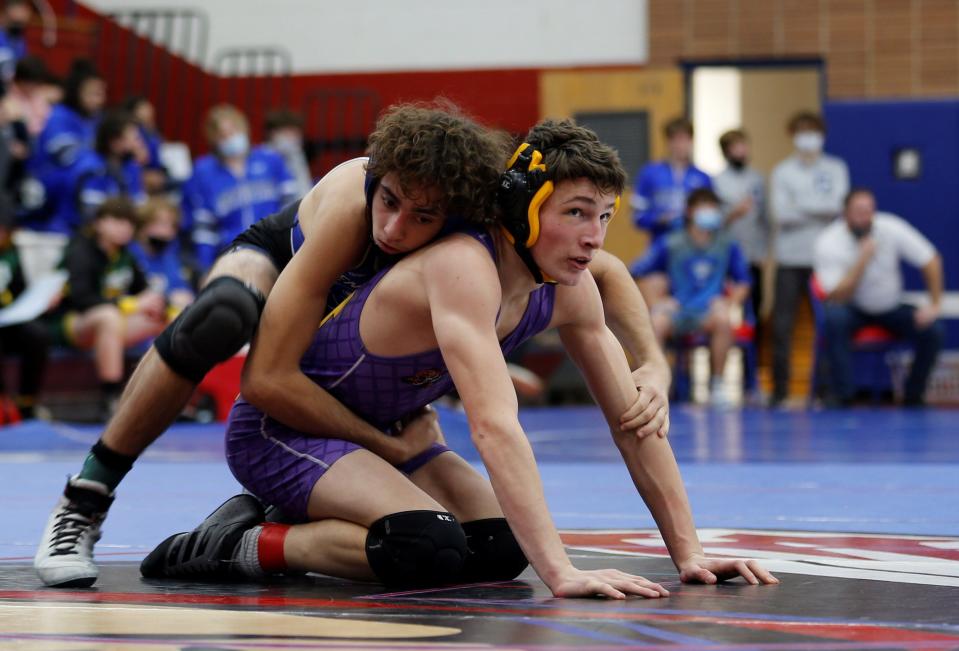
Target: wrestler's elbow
<point>260,388</point>
<point>492,429</point>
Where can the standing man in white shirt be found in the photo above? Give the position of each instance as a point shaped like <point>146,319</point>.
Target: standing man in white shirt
<point>857,265</point>
<point>806,193</point>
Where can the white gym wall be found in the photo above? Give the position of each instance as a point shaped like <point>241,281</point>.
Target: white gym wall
<point>327,36</point>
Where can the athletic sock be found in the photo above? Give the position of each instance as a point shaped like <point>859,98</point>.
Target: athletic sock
<point>106,466</point>
<point>260,551</point>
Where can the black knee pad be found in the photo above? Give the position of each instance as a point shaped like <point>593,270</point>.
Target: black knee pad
<point>494,554</point>
<point>416,548</point>
<point>212,329</point>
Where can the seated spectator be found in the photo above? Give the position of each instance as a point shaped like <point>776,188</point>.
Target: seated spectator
<point>661,188</point>
<point>68,133</point>
<point>233,187</point>
<point>857,264</point>
<point>284,133</point>
<point>28,99</point>
<point>155,177</point>
<point>13,45</point>
<point>28,340</point>
<point>108,306</point>
<point>157,251</point>
<point>698,261</point>
<point>110,170</point>
<point>23,113</point>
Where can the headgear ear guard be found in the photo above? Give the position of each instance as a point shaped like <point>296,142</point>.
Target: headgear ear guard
<point>522,190</point>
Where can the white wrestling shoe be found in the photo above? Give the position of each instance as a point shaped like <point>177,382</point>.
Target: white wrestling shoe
<point>65,556</point>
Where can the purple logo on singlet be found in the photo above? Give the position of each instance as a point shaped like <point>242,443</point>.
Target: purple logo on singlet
<point>425,377</point>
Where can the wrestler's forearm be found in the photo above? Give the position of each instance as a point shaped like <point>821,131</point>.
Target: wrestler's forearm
<point>299,403</point>
<point>516,481</point>
<point>656,476</point>
<point>651,463</point>
<point>628,317</point>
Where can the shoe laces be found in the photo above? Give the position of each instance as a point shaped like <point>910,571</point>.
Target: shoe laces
<point>69,527</point>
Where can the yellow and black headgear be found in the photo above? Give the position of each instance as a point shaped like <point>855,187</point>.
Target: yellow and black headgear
<point>523,188</point>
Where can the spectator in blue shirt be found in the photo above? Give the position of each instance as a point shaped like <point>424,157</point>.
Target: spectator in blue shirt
<point>110,170</point>
<point>708,276</point>
<point>233,187</point>
<point>13,45</point>
<point>157,251</point>
<point>69,132</point>
<point>155,177</point>
<point>661,188</point>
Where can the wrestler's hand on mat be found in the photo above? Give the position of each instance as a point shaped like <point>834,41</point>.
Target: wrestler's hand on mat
<point>415,436</point>
<point>702,569</point>
<point>604,583</point>
<point>649,414</point>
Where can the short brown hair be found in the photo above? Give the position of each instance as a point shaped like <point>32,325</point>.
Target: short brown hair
<point>699,196</point>
<point>219,113</point>
<point>571,151</point>
<point>678,125</point>
<point>155,205</point>
<point>436,145</point>
<point>805,119</point>
<point>731,137</point>
<point>117,206</point>
<point>282,119</point>
<point>855,192</point>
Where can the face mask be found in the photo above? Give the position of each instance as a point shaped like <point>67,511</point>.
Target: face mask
<point>158,244</point>
<point>708,219</point>
<point>236,145</point>
<point>16,30</point>
<point>286,144</point>
<point>127,157</point>
<point>860,232</point>
<point>808,142</point>
<point>737,163</point>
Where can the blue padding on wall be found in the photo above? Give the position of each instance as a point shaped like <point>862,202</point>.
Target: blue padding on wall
<point>867,135</point>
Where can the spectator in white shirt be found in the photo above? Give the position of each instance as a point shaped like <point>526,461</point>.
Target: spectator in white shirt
<point>806,192</point>
<point>857,264</point>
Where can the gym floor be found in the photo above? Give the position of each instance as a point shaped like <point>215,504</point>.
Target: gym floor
<point>857,512</point>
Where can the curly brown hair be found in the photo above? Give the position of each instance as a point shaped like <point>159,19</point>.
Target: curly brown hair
<point>437,146</point>
<point>571,151</point>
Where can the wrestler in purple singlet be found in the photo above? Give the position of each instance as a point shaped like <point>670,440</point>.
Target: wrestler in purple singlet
<point>280,465</point>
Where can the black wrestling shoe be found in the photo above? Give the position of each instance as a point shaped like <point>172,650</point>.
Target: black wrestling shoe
<point>206,552</point>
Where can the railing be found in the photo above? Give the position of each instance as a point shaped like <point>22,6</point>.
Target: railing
<point>162,54</point>
<point>337,125</point>
<point>256,78</point>
<point>157,53</point>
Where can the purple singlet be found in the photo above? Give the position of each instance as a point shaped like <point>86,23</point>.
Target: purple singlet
<point>280,465</point>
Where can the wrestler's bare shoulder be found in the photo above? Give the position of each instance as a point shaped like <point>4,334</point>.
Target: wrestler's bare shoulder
<point>338,195</point>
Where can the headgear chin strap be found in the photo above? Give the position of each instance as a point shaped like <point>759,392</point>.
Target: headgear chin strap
<point>522,190</point>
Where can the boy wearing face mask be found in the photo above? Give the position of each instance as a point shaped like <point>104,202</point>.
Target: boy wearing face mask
<point>157,250</point>
<point>284,133</point>
<point>112,169</point>
<point>857,262</point>
<point>806,193</point>
<point>707,274</point>
<point>233,186</point>
<point>742,191</point>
